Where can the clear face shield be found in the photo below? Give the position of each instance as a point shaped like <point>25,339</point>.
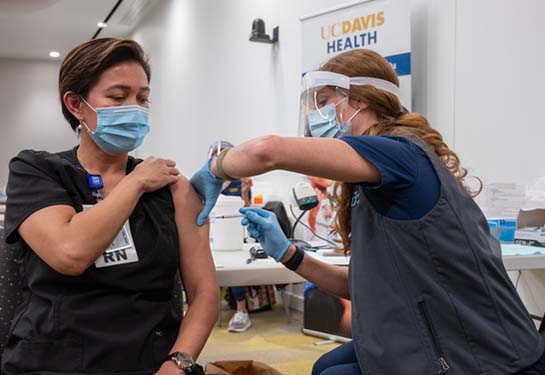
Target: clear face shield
<point>324,103</point>
<point>216,147</point>
<point>324,108</point>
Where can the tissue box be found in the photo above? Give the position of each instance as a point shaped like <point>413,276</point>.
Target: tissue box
<point>530,229</point>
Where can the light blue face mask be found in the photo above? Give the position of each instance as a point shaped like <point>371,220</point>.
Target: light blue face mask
<point>120,129</point>
<point>323,123</point>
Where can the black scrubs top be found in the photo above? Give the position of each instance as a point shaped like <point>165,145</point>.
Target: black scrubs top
<point>117,319</point>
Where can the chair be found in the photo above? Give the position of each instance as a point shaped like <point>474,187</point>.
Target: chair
<point>11,286</point>
<point>279,210</point>
<point>322,316</point>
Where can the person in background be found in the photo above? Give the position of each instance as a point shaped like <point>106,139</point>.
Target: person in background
<point>320,217</point>
<point>429,291</point>
<point>320,221</point>
<point>240,321</point>
<point>104,235</point>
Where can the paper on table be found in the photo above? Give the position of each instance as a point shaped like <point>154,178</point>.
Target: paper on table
<point>515,249</point>
<point>329,252</point>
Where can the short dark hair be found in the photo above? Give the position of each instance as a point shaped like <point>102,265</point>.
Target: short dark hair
<point>82,67</point>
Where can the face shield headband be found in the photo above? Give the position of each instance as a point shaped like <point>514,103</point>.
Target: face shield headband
<point>323,116</point>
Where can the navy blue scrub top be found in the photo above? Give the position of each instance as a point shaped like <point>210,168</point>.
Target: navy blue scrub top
<point>409,186</point>
<point>235,189</point>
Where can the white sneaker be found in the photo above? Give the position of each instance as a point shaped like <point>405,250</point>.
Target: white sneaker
<point>240,322</point>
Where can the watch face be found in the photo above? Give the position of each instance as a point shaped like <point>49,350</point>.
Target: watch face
<point>184,360</point>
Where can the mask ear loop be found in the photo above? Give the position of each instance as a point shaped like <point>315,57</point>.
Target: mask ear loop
<point>86,127</point>
<point>354,115</point>
<point>86,102</point>
<point>83,122</point>
<point>340,114</point>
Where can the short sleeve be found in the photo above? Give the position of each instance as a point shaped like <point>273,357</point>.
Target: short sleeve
<point>393,157</point>
<point>32,185</point>
<point>234,189</point>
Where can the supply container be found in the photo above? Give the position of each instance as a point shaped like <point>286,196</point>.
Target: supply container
<point>503,229</point>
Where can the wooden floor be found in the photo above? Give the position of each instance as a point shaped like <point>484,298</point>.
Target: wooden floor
<point>271,340</point>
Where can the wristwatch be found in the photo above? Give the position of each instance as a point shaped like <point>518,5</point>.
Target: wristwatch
<point>295,261</point>
<point>183,361</point>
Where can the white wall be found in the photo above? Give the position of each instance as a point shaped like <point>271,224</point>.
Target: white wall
<point>476,69</point>
<point>209,82</point>
<point>498,102</point>
<point>31,112</point>
<point>433,32</point>
<point>500,78</point>
<point>478,77</point>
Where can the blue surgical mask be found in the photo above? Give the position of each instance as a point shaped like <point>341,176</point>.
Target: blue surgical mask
<point>120,129</point>
<point>323,123</point>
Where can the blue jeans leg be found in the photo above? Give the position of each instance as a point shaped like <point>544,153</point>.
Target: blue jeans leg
<point>341,361</point>
<point>537,368</point>
<point>239,293</point>
<point>348,369</point>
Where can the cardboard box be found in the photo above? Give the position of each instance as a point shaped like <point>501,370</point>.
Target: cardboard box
<point>530,228</point>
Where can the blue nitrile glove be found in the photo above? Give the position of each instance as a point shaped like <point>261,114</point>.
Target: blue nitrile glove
<point>264,227</point>
<point>208,187</point>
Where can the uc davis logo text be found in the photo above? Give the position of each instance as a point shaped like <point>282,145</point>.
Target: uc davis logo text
<point>336,35</point>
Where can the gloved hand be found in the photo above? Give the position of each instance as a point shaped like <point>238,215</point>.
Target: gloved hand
<point>208,187</point>
<point>264,227</point>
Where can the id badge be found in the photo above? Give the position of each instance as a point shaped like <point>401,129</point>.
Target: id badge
<point>120,251</point>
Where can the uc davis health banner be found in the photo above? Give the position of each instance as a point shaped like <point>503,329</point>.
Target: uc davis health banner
<point>380,25</point>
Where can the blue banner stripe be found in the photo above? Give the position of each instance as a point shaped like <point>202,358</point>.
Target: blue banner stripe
<point>401,63</point>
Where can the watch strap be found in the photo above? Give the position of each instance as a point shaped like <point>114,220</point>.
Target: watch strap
<point>172,357</point>
<point>295,261</point>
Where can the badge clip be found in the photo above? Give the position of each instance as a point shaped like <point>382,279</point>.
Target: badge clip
<point>95,184</point>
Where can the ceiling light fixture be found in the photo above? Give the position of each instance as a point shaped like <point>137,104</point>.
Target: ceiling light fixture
<point>54,54</point>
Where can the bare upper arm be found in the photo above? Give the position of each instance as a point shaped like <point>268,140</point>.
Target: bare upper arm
<point>321,157</point>
<point>196,263</point>
<point>324,157</point>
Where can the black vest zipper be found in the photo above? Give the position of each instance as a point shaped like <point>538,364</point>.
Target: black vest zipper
<point>443,365</point>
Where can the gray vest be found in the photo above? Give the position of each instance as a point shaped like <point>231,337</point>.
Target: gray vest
<point>431,296</point>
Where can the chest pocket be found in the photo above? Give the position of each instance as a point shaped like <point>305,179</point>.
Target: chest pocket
<point>153,227</point>
<point>150,262</point>
<point>121,251</point>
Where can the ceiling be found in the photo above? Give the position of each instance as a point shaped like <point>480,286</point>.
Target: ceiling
<point>30,29</point>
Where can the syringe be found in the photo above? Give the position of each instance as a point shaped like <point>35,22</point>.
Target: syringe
<point>228,216</point>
